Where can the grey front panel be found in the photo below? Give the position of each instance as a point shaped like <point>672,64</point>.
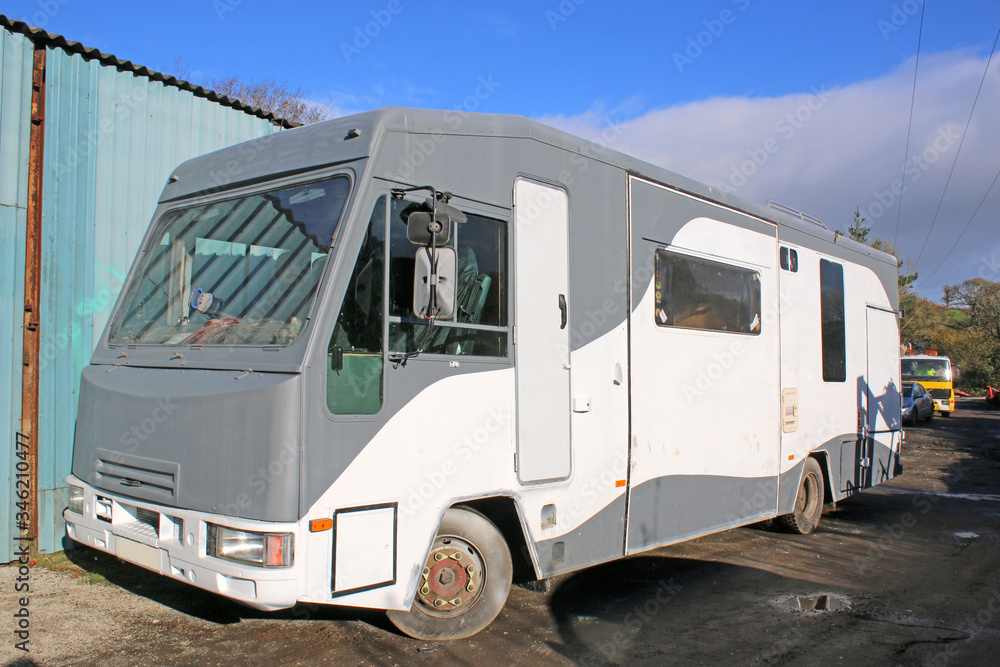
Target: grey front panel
<point>215,441</point>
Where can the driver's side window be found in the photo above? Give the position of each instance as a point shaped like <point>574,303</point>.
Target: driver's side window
<point>354,384</point>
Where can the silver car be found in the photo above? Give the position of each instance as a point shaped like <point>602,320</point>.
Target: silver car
<point>917,403</point>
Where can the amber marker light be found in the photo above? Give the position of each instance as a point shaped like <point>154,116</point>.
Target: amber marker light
<point>319,525</point>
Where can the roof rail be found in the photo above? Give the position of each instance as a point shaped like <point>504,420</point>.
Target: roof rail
<point>798,214</point>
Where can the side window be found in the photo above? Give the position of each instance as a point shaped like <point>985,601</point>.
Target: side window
<point>355,358</point>
<point>831,285</point>
<point>479,325</point>
<point>701,294</point>
<point>789,259</point>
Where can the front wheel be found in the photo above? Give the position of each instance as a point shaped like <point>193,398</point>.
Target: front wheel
<point>464,583</point>
<point>808,501</point>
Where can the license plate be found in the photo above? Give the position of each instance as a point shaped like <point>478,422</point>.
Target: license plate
<point>138,553</point>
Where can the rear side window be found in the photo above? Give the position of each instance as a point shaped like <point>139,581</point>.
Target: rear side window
<point>693,293</point>
<point>831,284</point>
<point>789,259</point>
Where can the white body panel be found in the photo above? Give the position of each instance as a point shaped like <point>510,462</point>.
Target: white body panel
<point>705,403</point>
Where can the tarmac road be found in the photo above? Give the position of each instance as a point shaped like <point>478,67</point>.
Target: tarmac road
<point>906,574</point>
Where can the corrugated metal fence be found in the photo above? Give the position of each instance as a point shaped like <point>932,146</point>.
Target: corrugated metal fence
<point>16,54</point>
<point>112,137</point>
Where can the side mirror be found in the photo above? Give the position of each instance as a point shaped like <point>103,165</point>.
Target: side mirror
<point>439,283</point>
<point>422,226</point>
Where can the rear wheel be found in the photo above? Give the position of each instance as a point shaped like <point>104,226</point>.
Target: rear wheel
<point>808,501</point>
<point>464,583</point>
<point>944,413</point>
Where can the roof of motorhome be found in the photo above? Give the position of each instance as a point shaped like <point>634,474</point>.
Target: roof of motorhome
<point>317,138</point>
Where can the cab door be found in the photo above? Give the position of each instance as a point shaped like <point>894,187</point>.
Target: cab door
<point>541,332</point>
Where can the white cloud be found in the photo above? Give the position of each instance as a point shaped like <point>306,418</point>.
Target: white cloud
<point>829,150</point>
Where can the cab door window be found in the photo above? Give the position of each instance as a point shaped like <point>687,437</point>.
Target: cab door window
<point>355,356</point>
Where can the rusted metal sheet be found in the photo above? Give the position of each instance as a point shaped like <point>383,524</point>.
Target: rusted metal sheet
<point>32,291</point>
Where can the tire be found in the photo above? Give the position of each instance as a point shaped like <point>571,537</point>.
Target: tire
<point>930,415</point>
<point>808,501</point>
<point>944,414</point>
<point>465,539</point>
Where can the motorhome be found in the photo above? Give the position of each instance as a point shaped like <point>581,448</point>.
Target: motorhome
<point>399,359</point>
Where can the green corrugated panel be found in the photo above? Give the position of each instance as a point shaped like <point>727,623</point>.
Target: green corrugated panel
<point>111,141</point>
<point>15,123</point>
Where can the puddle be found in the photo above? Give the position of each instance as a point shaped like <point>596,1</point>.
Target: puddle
<point>966,536</point>
<point>817,602</point>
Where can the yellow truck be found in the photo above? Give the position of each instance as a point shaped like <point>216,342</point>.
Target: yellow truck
<point>934,372</point>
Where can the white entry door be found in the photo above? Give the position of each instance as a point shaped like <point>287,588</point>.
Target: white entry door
<point>541,331</point>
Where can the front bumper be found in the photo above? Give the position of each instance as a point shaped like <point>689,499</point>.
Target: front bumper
<point>171,542</point>
<point>944,405</point>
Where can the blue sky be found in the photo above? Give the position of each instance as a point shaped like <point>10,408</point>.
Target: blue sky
<point>700,88</point>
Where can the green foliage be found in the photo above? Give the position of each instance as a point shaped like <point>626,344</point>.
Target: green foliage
<point>968,331</point>
<point>858,231</point>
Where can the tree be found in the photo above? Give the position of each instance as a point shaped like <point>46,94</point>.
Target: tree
<point>857,230</point>
<point>976,340</point>
<point>276,97</point>
<point>982,298</point>
<point>267,94</point>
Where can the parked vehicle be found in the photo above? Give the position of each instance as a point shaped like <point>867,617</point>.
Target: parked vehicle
<point>390,359</point>
<point>935,373</point>
<point>917,403</point>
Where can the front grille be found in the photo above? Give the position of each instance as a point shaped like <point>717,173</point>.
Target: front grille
<point>940,393</point>
<point>148,517</point>
<point>137,476</point>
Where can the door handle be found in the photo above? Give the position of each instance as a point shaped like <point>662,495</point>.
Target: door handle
<point>562,309</point>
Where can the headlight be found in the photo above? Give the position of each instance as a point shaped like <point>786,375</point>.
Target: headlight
<point>76,499</point>
<point>265,549</point>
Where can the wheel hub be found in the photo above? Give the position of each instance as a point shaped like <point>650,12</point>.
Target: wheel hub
<point>452,578</point>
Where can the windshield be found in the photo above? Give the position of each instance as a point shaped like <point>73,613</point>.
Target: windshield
<point>235,272</point>
<point>934,370</point>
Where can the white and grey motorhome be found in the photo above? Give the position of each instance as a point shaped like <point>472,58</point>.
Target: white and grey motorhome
<point>394,359</point>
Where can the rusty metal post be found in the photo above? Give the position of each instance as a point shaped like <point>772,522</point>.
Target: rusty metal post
<point>33,288</point>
